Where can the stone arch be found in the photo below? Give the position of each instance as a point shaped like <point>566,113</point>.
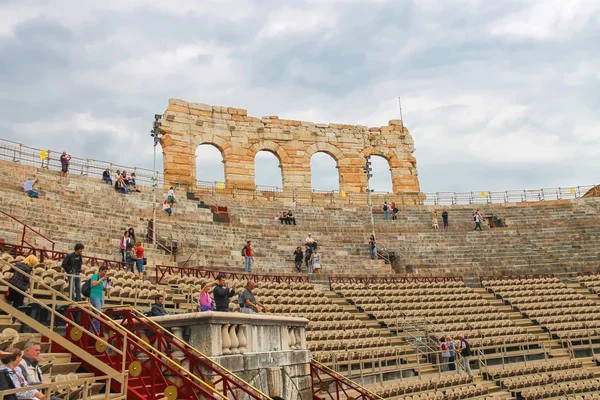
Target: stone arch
<point>207,138</point>
<point>270,146</point>
<point>399,169</point>
<point>330,149</point>
<point>273,148</point>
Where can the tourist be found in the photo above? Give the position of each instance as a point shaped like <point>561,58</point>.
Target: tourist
<point>465,353</point>
<point>394,211</point>
<point>248,258</point>
<point>248,302</point>
<point>106,176</point>
<point>131,235</point>
<point>445,354</point>
<point>167,208</point>
<point>124,242</point>
<point>291,217</point>
<point>11,367</point>
<point>284,218</point>
<point>434,222</point>
<point>158,308</point>
<point>30,363</point>
<point>121,186</point>
<point>132,180</point>
<point>386,211</point>
<point>373,247</point>
<point>99,283</point>
<point>131,256</point>
<point>222,294</point>
<point>28,188</point>
<point>477,218</point>
<point>307,258</point>
<point>316,261</point>
<point>445,218</point>
<point>171,196</point>
<point>64,161</point>
<point>298,258</point>
<point>150,231</point>
<point>20,280</point>
<point>452,354</point>
<point>206,303</point>
<point>72,265</point>
<point>139,263</point>
<point>310,241</point>
<point>125,178</point>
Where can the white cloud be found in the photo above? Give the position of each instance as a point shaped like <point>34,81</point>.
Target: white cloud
<point>548,19</point>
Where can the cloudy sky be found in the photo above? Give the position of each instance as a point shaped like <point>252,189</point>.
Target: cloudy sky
<point>497,94</point>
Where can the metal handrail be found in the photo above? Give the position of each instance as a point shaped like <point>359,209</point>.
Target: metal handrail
<point>366,393</point>
<point>17,152</point>
<point>162,271</point>
<point>25,227</point>
<point>42,254</point>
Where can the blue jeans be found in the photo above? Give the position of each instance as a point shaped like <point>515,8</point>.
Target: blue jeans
<point>33,194</point>
<point>126,190</point>
<point>107,180</point>
<point>139,264</point>
<point>75,282</point>
<point>97,302</point>
<point>169,211</point>
<point>386,214</point>
<point>248,264</point>
<point>373,253</point>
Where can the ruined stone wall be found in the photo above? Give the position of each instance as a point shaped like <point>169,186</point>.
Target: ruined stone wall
<point>239,137</point>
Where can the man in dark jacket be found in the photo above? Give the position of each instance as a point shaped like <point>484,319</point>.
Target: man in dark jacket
<point>72,266</point>
<point>158,308</point>
<point>222,294</point>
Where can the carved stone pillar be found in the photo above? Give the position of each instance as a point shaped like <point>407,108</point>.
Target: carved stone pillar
<point>226,340</point>
<point>242,339</point>
<point>234,340</point>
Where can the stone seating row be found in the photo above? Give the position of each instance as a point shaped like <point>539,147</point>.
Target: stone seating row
<point>514,384</point>
<point>561,390</point>
<point>517,369</point>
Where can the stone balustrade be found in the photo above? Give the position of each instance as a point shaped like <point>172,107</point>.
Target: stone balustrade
<point>222,334</point>
<point>266,350</point>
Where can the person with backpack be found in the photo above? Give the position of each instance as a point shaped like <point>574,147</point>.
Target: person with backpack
<point>248,302</point>
<point>247,254</point>
<point>386,211</point>
<point>394,211</point>
<point>445,354</point>
<point>477,218</point>
<point>71,264</point>
<point>308,259</point>
<point>465,353</point>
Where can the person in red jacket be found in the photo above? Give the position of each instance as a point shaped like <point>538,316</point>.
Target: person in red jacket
<point>139,263</point>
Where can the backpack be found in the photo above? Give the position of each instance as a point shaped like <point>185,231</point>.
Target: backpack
<point>385,207</point>
<point>474,218</point>
<point>467,351</point>
<point>86,289</point>
<point>244,251</point>
<point>66,264</point>
<point>133,254</point>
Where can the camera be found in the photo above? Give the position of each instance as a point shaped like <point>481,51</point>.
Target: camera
<point>107,279</point>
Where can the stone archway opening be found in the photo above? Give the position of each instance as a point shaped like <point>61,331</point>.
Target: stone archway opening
<point>268,174</point>
<point>382,175</point>
<point>324,173</point>
<point>209,164</point>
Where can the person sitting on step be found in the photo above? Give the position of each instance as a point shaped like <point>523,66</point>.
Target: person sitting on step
<point>28,188</point>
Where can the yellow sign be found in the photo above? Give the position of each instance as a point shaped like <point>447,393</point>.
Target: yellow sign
<point>572,191</point>
<point>43,154</point>
<point>483,195</point>
<point>343,194</point>
<point>220,185</point>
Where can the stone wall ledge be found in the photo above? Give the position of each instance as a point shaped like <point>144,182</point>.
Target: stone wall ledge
<point>234,318</point>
